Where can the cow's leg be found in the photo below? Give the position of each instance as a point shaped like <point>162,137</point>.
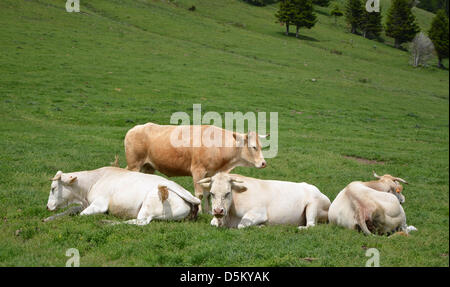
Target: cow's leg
<point>312,213</point>
<point>197,175</point>
<point>214,222</point>
<point>147,168</point>
<point>140,222</point>
<point>146,213</point>
<point>134,162</point>
<point>99,205</point>
<point>134,167</point>
<point>253,217</point>
<point>71,211</point>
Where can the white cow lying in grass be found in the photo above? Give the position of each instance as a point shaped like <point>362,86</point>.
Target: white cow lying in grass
<point>121,192</point>
<point>239,201</point>
<point>373,206</point>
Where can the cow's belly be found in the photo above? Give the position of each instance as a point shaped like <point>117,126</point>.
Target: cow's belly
<point>172,170</point>
<point>169,160</point>
<point>123,205</point>
<point>292,213</point>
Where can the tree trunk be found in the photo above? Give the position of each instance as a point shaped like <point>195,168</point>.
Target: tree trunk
<point>287,29</point>
<point>440,63</point>
<point>353,29</point>
<point>296,32</point>
<point>397,43</point>
<point>416,60</point>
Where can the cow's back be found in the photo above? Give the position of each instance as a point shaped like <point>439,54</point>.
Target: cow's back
<point>151,144</point>
<point>285,201</point>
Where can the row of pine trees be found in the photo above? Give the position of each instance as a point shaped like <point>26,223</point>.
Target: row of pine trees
<point>400,21</point>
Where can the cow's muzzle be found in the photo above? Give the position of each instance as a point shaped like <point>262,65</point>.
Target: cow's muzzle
<point>218,212</point>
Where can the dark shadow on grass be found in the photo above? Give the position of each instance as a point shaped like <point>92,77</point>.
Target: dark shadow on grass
<point>300,37</point>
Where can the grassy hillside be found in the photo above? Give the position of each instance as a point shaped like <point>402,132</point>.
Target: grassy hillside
<point>423,17</point>
<point>71,85</point>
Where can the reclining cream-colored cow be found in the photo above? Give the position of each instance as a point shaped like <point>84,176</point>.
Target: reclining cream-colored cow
<point>373,207</point>
<point>121,192</point>
<point>239,201</point>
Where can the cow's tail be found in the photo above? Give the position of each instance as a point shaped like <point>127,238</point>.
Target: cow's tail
<point>115,163</point>
<point>361,219</point>
<point>184,194</point>
<point>163,192</point>
<point>361,214</point>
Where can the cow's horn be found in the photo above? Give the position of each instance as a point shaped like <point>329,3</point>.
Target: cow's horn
<point>57,177</point>
<point>236,180</point>
<point>376,175</point>
<point>400,179</point>
<point>205,180</point>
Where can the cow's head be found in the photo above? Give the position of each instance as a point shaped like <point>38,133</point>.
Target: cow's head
<point>221,187</point>
<point>394,185</point>
<point>61,193</point>
<point>251,149</point>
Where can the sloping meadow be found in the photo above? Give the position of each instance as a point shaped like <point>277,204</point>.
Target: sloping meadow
<point>72,84</point>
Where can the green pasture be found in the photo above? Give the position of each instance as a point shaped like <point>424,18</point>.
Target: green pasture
<point>72,85</point>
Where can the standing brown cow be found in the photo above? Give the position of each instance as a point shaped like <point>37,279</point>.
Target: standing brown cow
<point>151,147</point>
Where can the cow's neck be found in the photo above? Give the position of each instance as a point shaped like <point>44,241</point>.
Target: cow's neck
<point>232,219</point>
<point>235,161</point>
<point>84,183</point>
<point>377,185</point>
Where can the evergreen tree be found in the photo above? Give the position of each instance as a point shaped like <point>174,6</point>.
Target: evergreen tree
<point>285,13</point>
<point>353,14</point>
<point>296,12</point>
<point>371,24</point>
<point>304,15</point>
<point>336,12</point>
<point>323,3</point>
<point>434,5</point>
<point>439,35</point>
<point>260,2</point>
<point>401,22</point>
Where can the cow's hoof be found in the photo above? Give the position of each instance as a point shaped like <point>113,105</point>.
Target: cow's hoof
<point>215,222</point>
<point>411,228</point>
<point>240,226</point>
<point>306,227</point>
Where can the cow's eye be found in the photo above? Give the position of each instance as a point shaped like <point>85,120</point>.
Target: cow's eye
<point>254,148</point>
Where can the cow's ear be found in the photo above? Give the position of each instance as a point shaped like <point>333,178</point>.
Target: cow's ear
<point>238,185</point>
<point>240,139</point>
<point>70,180</point>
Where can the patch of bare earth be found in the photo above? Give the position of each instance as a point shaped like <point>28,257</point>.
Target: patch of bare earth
<point>364,160</point>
